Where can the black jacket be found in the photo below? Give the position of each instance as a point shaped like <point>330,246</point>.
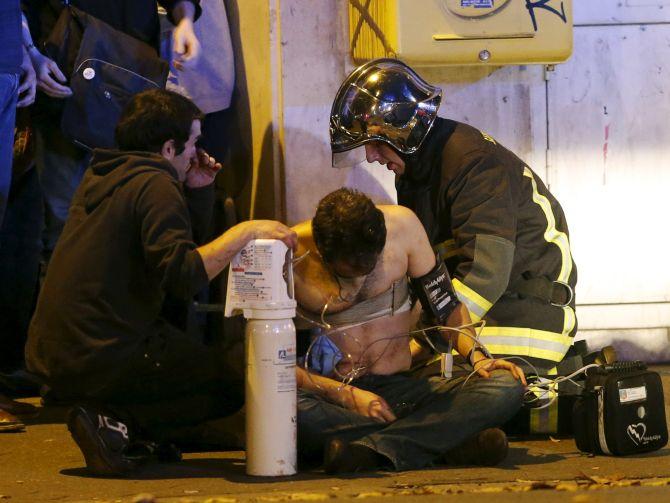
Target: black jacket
<point>127,242</point>
<point>503,236</point>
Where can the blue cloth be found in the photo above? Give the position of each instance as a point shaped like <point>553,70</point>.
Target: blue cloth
<point>10,37</point>
<point>434,416</point>
<point>9,85</point>
<point>324,355</point>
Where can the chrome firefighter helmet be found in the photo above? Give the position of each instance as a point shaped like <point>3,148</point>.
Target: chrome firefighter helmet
<point>383,100</point>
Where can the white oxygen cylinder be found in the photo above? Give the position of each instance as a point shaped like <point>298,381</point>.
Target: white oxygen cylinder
<point>260,285</point>
<point>271,397</point>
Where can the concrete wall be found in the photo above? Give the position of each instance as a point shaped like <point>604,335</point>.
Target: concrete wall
<point>603,147</point>
<point>252,170</point>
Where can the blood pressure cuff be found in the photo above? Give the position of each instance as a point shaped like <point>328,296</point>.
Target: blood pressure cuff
<point>436,293</point>
<point>621,411</point>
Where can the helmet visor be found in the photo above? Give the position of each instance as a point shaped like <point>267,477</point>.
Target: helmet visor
<point>349,158</point>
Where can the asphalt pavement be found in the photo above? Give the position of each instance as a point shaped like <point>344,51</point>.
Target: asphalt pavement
<point>43,464</point>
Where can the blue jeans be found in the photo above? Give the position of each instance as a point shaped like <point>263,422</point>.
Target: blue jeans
<point>9,85</point>
<point>434,416</point>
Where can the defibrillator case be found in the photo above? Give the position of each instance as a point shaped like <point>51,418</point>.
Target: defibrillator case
<point>621,411</point>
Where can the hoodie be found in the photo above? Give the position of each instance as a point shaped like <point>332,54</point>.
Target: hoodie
<point>127,243</point>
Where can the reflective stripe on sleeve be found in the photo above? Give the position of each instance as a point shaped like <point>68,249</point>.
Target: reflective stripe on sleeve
<point>476,304</point>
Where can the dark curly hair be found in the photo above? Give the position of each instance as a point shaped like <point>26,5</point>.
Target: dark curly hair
<point>349,228</point>
<point>153,117</point>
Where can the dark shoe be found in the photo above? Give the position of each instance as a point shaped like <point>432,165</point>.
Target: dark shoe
<point>487,448</point>
<point>9,422</point>
<point>103,441</point>
<point>20,383</point>
<point>344,457</point>
<point>17,408</point>
<point>143,451</point>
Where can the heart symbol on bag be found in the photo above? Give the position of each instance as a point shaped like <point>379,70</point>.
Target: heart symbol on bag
<point>636,432</point>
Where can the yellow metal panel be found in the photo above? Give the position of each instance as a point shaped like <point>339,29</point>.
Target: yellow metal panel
<point>462,32</point>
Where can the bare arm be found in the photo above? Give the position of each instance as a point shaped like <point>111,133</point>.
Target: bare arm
<point>362,402</point>
<point>420,255</point>
<point>183,10</point>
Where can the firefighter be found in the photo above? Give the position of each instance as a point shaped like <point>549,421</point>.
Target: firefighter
<point>502,235</point>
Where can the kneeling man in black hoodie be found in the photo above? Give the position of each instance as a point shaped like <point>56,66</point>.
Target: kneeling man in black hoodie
<point>100,336</point>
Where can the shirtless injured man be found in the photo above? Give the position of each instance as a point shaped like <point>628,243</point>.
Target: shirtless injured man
<point>358,266</point>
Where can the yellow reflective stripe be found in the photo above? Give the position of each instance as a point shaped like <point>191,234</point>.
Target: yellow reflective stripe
<point>560,239</point>
<point>526,342</point>
<point>446,249</point>
<point>544,420</point>
<point>545,354</point>
<point>476,304</point>
<point>551,234</point>
<point>531,333</point>
<point>569,320</point>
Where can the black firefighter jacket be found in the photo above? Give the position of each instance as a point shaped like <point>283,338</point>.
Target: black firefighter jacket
<point>503,236</point>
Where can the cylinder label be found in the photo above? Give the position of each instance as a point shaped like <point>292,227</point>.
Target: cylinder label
<point>250,269</point>
<point>285,355</point>
<point>286,380</point>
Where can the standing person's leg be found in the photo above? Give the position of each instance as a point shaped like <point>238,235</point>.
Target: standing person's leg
<point>436,415</point>
<point>61,166</point>
<point>20,248</point>
<point>9,85</point>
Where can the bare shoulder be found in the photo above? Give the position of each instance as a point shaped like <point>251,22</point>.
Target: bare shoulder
<point>313,284</point>
<point>400,219</point>
<point>406,235</point>
<point>305,240</point>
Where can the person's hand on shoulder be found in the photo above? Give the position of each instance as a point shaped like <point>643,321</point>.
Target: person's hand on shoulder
<point>202,171</point>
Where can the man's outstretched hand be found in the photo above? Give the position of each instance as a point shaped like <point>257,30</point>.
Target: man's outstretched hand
<point>202,171</point>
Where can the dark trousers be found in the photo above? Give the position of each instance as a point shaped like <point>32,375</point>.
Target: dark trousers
<point>434,416</point>
<point>20,250</point>
<point>173,383</point>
